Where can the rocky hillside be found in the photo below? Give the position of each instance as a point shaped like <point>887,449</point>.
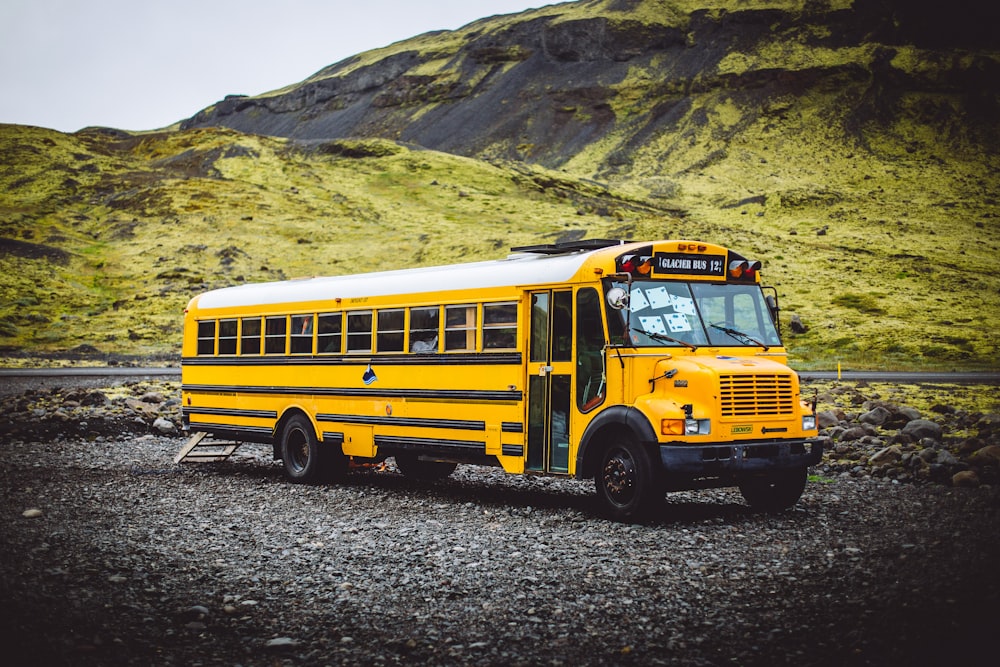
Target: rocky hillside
<point>852,146</point>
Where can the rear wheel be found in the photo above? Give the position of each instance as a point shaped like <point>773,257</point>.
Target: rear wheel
<point>775,492</point>
<point>625,480</point>
<point>425,471</point>
<point>305,460</point>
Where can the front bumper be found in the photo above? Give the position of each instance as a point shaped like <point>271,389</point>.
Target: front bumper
<point>739,458</point>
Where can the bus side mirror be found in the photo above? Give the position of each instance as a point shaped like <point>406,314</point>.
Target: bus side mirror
<point>772,307</point>
<point>617,298</point>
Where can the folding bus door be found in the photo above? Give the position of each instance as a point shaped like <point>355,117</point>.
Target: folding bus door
<point>550,378</point>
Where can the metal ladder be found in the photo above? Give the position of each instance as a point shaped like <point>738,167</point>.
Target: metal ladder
<point>196,450</point>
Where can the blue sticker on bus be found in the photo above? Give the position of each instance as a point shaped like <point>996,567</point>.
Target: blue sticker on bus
<point>369,376</point>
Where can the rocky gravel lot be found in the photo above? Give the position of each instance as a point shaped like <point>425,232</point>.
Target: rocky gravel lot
<point>112,555</point>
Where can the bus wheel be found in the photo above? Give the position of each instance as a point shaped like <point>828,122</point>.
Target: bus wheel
<point>625,481</point>
<point>300,450</point>
<point>774,492</point>
<point>424,471</point>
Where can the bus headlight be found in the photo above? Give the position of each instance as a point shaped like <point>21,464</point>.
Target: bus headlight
<point>808,422</point>
<point>697,427</point>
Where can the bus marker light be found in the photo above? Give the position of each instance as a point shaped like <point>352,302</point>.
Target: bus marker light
<point>737,267</point>
<point>672,426</point>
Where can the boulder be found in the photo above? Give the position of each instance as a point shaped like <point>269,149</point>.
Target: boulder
<point>889,454</point>
<point>876,416</point>
<point>164,425</point>
<point>918,429</point>
<point>989,455</point>
<point>827,418</point>
<point>965,478</point>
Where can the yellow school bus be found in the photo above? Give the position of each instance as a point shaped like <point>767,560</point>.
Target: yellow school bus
<point>646,366</point>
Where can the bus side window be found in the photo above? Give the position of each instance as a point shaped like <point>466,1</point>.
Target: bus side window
<point>227,336</point>
<point>390,330</point>
<point>460,328</point>
<point>302,334</point>
<point>329,332</point>
<point>359,331</point>
<point>424,323</point>
<point>500,326</point>
<point>206,337</point>
<point>250,335</point>
<point>274,334</point>
<point>590,374</point>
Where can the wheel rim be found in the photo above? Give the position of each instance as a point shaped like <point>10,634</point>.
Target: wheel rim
<point>298,450</point>
<point>619,477</point>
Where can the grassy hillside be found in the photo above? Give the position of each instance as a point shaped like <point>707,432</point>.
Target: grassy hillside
<point>851,146</point>
<point>104,235</point>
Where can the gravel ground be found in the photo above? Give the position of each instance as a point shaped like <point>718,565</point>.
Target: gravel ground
<point>125,558</point>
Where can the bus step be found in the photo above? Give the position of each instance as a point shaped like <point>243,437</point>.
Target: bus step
<point>196,450</point>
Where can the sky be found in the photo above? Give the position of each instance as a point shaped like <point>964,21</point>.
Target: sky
<point>145,64</point>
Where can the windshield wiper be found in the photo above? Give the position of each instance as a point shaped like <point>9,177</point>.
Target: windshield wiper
<point>664,337</point>
<point>739,335</point>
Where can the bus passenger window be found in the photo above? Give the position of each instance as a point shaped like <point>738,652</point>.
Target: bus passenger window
<point>500,326</point>
<point>359,331</point>
<point>390,330</point>
<point>460,328</point>
<point>227,336</point>
<point>250,335</point>
<point>206,337</point>
<point>302,334</point>
<point>274,334</point>
<point>424,329</point>
<point>328,332</point>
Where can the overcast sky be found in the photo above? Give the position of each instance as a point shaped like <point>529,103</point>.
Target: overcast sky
<point>144,64</point>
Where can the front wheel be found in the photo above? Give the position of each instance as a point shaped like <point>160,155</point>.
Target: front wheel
<point>625,480</point>
<point>775,492</point>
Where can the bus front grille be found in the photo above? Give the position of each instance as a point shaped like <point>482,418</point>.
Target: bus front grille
<point>756,395</point>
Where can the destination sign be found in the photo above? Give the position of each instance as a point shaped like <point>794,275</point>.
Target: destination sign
<point>674,263</point>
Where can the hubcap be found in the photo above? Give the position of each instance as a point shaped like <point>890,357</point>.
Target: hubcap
<point>619,476</point>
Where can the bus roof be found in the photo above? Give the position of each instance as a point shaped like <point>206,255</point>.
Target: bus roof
<point>517,269</point>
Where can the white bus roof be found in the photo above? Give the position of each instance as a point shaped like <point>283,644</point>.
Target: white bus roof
<point>517,269</point>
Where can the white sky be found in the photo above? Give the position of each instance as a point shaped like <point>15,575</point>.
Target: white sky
<point>144,64</point>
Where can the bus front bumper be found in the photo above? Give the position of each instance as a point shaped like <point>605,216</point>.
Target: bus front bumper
<point>736,458</point>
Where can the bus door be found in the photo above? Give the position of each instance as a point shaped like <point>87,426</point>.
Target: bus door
<point>550,377</point>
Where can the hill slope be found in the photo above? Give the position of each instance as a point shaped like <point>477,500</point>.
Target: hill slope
<point>852,146</point>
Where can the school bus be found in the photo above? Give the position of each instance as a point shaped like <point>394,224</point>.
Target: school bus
<point>645,366</point>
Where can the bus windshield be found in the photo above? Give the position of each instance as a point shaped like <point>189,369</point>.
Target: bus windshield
<point>680,314</point>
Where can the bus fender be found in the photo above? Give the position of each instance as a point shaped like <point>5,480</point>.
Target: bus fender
<point>615,418</point>
<point>279,426</point>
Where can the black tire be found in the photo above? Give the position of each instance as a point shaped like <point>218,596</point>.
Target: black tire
<point>423,471</point>
<point>300,451</point>
<point>626,481</point>
<point>775,492</point>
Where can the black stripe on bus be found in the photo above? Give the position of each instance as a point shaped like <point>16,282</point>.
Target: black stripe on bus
<point>240,433</point>
<point>402,443</point>
<point>512,427</point>
<point>231,412</point>
<point>512,450</point>
<point>362,359</point>
<point>414,422</point>
<point>333,438</point>
<point>455,395</point>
